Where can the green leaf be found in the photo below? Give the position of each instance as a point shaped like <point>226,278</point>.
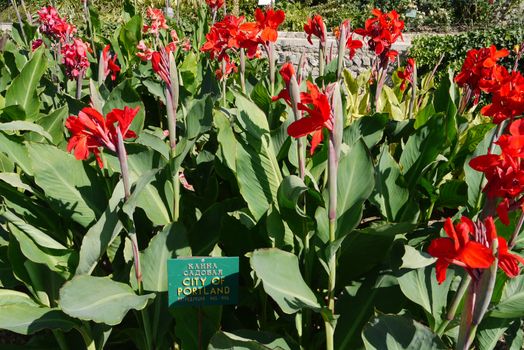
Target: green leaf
<point>422,149</point>
<point>247,340</point>
<point>414,259</point>
<point>14,180</point>
<point>199,117</point>
<point>20,125</point>
<point>101,234</point>
<point>53,124</point>
<point>391,192</point>
<point>369,128</point>
<point>16,152</point>
<point>130,35</point>
<point>22,91</point>
<point>511,305</point>
<point>23,318</point>
<point>421,287</point>
<point>289,192</point>
<point>399,333</point>
<point>73,187</point>
<point>187,321</point>
<point>355,183</point>
<point>169,243</point>
<point>282,280</point>
<point>100,299</point>
<point>125,95</point>
<point>490,332</point>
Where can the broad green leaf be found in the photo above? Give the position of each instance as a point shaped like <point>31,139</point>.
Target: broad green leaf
<point>101,234</point>
<point>14,180</point>
<point>9,297</point>
<point>421,287</point>
<point>282,280</point>
<point>63,178</point>
<point>100,299</point>
<point>39,237</point>
<point>490,332</point>
<point>20,125</point>
<point>16,152</point>
<point>125,95</point>
<point>187,321</point>
<point>226,138</point>
<point>422,149</point>
<point>414,259</point>
<point>369,128</point>
<point>22,91</point>
<point>391,192</point>
<point>355,254</point>
<point>130,34</point>
<point>56,260</point>
<point>24,318</point>
<point>511,305</point>
<point>169,243</point>
<point>394,332</point>
<point>53,124</point>
<point>199,117</point>
<point>289,192</point>
<point>247,340</point>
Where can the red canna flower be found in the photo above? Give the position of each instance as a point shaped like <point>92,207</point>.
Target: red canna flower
<point>36,44</point>
<point>214,5</point>
<point>90,131</point>
<point>230,67</point>
<point>353,46</point>
<point>52,25</point>
<point>156,21</point>
<point>223,36</point>
<point>315,26</point>
<point>287,71</point>
<point>316,104</point>
<point>508,95</point>
<point>383,30</point>
<point>478,67</point>
<point>268,22</point>
<point>407,74</point>
<point>74,58</point>
<point>145,53</point>
<point>109,63</point>
<point>508,262</point>
<point>459,249</point>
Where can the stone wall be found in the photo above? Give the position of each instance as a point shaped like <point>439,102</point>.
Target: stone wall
<point>291,45</point>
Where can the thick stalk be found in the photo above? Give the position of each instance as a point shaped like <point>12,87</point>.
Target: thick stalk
<point>332,265</point>
<point>13,3</point>
<point>515,234</point>
<point>271,54</point>
<point>321,58</point>
<point>243,70</point>
<point>464,284</point>
<point>413,92</point>
<point>172,95</point>
<point>341,51</point>
<point>467,316</point>
<point>295,100</point>
<point>79,81</point>
<point>224,83</point>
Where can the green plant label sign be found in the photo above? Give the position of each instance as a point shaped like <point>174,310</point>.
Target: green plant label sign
<point>202,281</point>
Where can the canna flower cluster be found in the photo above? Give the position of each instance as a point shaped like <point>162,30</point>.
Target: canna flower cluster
<point>314,103</point>
<point>109,63</point>
<point>91,131</point>
<point>53,26</point>
<point>382,31</point>
<point>505,172</point>
<point>470,245</point>
<point>407,74</point>
<point>478,69</point>
<point>315,27</point>
<point>73,50</point>
<point>155,21</point>
<point>233,33</point>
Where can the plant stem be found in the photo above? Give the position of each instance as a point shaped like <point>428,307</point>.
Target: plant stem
<point>224,83</point>
<point>147,329</point>
<point>321,59</point>
<point>413,92</point>
<point>464,284</point>
<point>467,317</point>
<point>79,85</point>
<point>332,263</point>
<point>59,336</point>
<point>13,2</point>
<point>271,54</point>
<point>90,343</point>
<point>243,70</point>
<point>515,234</point>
